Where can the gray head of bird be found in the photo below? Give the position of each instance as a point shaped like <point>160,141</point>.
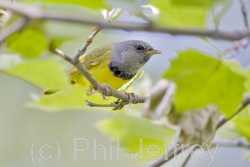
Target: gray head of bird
<point>129,56</point>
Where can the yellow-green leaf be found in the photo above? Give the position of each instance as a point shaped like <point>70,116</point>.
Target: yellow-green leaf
<point>73,96</point>
<point>203,80</point>
<point>30,42</point>
<point>243,125</point>
<point>42,73</point>
<point>234,66</point>
<point>137,135</point>
<point>133,6</point>
<point>183,13</point>
<point>94,5</point>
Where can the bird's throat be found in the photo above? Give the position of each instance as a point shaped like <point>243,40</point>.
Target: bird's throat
<point>124,73</point>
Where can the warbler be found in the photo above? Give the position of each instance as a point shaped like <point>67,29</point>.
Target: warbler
<point>113,64</point>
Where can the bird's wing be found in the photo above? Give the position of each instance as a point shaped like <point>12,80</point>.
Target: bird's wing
<point>94,58</point>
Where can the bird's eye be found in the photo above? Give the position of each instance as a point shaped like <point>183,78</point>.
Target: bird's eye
<point>139,47</point>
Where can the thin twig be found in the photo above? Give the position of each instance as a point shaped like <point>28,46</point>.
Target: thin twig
<point>95,31</point>
<point>19,24</point>
<point>223,120</point>
<point>62,55</point>
<point>213,45</point>
<point>91,104</point>
<point>186,159</point>
<point>116,105</point>
<point>244,13</point>
<point>167,156</point>
<point>102,88</point>
<point>231,144</point>
<point>238,46</point>
<point>38,14</point>
<point>75,62</point>
<point>88,76</point>
<point>83,49</point>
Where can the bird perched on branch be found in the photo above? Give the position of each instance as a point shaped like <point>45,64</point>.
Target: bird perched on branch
<point>114,64</point>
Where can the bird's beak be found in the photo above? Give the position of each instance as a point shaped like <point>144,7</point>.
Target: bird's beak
<point>152,52</point>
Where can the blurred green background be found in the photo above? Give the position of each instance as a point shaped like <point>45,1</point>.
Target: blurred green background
<point>21,125</point>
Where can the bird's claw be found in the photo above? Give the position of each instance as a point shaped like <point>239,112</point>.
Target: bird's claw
<point>106,91</point>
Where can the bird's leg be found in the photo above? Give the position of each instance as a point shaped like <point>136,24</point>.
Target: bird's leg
<point>91,92</point>
<point>132,98</point>
<point>119,104</point>
<point>106,90</point>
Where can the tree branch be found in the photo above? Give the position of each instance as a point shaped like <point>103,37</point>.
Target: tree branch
<point>116,105</point>
<point>167,156</point>
<point>231,144</point>
<point>83,49</point>
<point>186,159</point>
<point>35,13</point>
<point>223,120</point>
<point>244,13</point>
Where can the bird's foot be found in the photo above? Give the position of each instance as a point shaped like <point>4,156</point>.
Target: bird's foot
<point>105,91</point>
<point>132,99</point>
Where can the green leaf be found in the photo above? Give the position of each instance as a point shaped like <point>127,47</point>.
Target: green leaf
<point>203,80</point>
<point>183,13</point>
<point>133,6</point>
<point>234,66</point>
<point>243,125</point>
<point>137,135</point>
<point>30,42</point>
<point>94,5</point>
<point>73,96</point>
<point>42,73</point>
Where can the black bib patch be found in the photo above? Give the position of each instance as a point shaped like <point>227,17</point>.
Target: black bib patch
<point>120,73</point>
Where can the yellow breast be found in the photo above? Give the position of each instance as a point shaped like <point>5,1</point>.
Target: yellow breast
<point>102,74</point>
